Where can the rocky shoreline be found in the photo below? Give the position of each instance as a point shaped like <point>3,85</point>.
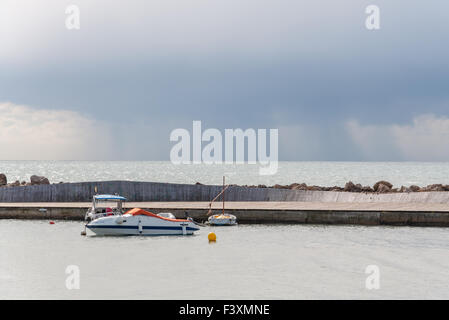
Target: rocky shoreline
<point>381,186</point>
<point>34,180</point>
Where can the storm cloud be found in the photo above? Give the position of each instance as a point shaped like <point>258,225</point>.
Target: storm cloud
<point>309,68</point>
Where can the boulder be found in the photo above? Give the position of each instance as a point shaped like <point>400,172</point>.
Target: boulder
<point>36,180</point>
<point>385,183</point>
<point>367,189</point>
<point>336,188</point>
<point>3,179</point>
<point>351,187</point>
<point>279,186</point>
<point>383,188</point>
<point>414,188</point>
<point>15,183</point>
<point>314,188</point>
<point>298,186</point>
<point>435,187</point>
<point>404,189</point>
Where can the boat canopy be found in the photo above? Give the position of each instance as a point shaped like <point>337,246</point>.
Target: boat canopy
<point>109,197</point>
<point>141,212</point>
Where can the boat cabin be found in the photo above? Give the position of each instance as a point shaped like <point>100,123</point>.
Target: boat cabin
<point>105,205</point>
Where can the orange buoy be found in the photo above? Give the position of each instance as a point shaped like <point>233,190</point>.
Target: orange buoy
<point>212,237</point>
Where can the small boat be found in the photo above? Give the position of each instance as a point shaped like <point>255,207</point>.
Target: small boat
<point>222,219</point>
<point>140,222</point>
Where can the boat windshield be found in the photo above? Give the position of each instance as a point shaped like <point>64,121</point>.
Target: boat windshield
<point>108,202</point>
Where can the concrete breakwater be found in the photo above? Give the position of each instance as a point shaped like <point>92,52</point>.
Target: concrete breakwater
<point>249,204</point>
<point>434,215</point>
<point>154,191</point>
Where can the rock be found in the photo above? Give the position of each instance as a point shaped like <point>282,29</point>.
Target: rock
<point>435,187</point>
<point>298,186</point>
<point>404,189</point>
<point>14,184</point>
<point>314,188</point>
<point>336,188</point>
<point>367,189</point>
<point>385,183</point>
<point>199,184</point>
<point>3,179</point>
<point>36,180</point>
<point>278,186</point>
<point>351,187</point>
<point>414,188</point>
<point>261,186</point>
<point>23,183</point>
<point>383,188</point>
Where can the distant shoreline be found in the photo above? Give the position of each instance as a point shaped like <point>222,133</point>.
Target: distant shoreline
<point>382,186</point>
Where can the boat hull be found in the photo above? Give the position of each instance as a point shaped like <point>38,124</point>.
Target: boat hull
<point>127,225</point>
<point>222,220</point>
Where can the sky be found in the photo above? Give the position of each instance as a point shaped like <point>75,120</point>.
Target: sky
<point>136,70</point>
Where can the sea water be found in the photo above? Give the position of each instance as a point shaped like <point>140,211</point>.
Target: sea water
<point>246,262</point>
<point>311,173</point>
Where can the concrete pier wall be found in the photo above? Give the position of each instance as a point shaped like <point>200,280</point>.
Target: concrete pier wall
<point>368,218</point>
<point>153,191</point>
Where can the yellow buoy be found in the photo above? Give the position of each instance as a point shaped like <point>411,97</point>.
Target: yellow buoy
<point>212,237</point>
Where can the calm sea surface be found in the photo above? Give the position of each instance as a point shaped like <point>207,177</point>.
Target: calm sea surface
<point>319,173</point>
<point>247,262</point>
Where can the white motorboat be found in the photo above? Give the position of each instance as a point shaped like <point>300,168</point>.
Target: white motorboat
<point>140,222</point>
